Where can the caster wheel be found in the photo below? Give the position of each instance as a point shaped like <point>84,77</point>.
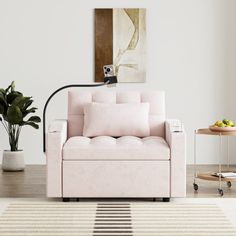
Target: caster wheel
<point>229,184</point>
<point>221,192</point>
<point>65,199</point>
<point>195,186</point>
<point>166,199</point>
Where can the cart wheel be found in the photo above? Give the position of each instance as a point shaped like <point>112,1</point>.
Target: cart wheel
<point>229,184</point>
<point>195,186</point>
<point>221,192</point>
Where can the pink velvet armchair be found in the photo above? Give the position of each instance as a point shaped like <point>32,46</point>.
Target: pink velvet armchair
<point>147,165</point>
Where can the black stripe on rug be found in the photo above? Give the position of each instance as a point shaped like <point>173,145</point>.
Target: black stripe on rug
<point>113,219</point>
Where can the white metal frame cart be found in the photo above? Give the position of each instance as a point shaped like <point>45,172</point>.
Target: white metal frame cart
<point>209,176</point>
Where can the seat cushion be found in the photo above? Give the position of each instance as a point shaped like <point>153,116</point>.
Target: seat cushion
<point>107,148</point>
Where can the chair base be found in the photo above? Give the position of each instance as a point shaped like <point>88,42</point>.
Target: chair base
<point>166,199</point>
<point>67,199</point>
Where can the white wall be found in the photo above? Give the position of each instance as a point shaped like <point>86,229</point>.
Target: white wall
<point>230,65</point>
<point>191,55</point>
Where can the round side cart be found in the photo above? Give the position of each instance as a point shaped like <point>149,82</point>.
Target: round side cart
<point>209,176</point>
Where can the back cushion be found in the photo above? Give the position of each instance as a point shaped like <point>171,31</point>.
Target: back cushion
<point>125,119</point>
<point>77,101</point>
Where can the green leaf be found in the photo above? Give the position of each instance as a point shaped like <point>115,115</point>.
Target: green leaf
<point>5,117</point>
<point>2,99</point>
<point>13,86</point>
<point>14,115</point>
<point>2,90</point>
<point>2,109</point>
<point>35,119</point>
<point>27,104</point>
<point>14,107</point>
<point>17,100</point>
<point>12,96</point>
<point>31,110</point>
<point>7,89</point>
<point>20,101</point>
<point>30,123</point>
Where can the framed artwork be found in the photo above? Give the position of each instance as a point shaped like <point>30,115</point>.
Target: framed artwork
<point>120,39</point>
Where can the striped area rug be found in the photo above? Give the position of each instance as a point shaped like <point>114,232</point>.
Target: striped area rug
<point>103,219</point>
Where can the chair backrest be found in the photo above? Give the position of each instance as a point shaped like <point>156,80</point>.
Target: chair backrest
<point>77,100</point>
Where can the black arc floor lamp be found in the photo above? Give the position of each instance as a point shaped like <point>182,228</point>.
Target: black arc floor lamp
<point>107,81</point>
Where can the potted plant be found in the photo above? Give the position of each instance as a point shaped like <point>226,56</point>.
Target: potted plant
<point>14,108</point>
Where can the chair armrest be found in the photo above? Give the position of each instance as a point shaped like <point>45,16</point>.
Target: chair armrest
<point>177,144</point>
<point>58,126</point>
<point>56,137</point>
<point>173,126</point>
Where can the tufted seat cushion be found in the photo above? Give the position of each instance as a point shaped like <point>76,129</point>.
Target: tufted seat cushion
<point>125,147</point>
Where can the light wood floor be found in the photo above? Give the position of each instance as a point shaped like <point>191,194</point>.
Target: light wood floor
<point>28,183</point>
<point>32,183</point>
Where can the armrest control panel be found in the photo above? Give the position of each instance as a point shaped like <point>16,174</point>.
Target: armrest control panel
<point>176,126</point>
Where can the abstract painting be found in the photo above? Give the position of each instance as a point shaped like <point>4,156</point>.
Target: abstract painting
<point>120,39</point>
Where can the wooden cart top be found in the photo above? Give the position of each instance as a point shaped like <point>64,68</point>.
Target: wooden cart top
<point>207,131</point>
<point>210,177</point>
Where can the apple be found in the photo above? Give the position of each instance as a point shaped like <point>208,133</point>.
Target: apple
<point>225,121</point>
<point>222,125</point>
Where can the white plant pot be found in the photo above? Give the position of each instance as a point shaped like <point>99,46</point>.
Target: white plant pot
<point>13,161</point>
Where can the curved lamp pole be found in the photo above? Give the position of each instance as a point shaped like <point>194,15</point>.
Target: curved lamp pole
<point>107,80</point>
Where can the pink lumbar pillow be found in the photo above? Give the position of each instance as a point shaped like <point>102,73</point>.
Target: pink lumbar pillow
<point>116,119</point>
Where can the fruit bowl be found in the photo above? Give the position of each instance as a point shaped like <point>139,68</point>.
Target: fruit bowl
<point>222,129</point>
